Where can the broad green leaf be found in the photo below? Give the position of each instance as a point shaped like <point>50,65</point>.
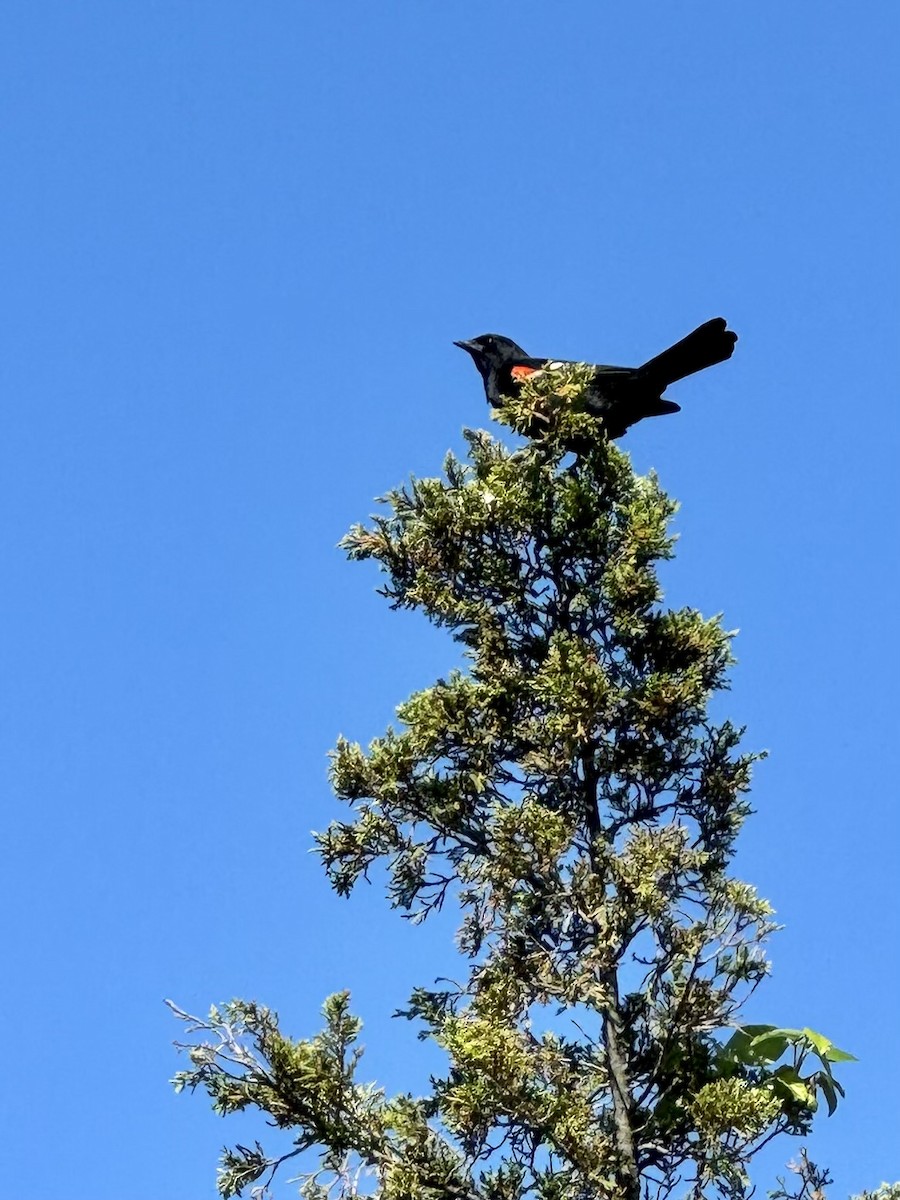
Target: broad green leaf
<point>769,1047</point>
<point>788,1079</point>
<point>827,1088</point>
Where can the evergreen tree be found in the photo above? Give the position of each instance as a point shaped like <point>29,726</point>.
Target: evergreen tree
<point>570,792</point>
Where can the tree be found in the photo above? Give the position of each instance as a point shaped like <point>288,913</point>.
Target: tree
<point>570,792</point>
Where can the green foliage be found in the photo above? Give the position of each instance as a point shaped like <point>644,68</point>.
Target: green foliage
<point>759,1047</point>
<point>570,792</point>
<point>887,1191</point>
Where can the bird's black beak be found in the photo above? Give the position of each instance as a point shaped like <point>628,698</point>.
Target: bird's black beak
<point>469,347</point>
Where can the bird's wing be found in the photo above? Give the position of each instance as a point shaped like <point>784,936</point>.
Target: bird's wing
<point>521,371</point>
<point>601,370</point>
<point>611,373</point>
<point>521,368</point>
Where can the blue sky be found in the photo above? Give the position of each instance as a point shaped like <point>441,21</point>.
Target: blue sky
<point>238,241</point>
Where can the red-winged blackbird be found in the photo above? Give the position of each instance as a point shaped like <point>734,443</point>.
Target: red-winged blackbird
<point>621,396</point>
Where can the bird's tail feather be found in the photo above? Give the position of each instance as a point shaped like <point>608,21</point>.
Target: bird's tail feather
<point>709,343</point>
<point>661,408</point>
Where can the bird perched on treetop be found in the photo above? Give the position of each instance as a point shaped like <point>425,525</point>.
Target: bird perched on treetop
<point>621,396</point>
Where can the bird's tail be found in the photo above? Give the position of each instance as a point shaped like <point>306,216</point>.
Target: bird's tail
<point>710,343</point>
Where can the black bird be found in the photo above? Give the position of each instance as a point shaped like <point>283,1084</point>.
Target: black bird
<point>621,396</point>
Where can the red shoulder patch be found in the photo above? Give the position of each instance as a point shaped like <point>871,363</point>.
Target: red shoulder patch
<point>522,372</point>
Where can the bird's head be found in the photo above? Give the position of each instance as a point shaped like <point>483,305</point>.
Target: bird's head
<point>490,351</point>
